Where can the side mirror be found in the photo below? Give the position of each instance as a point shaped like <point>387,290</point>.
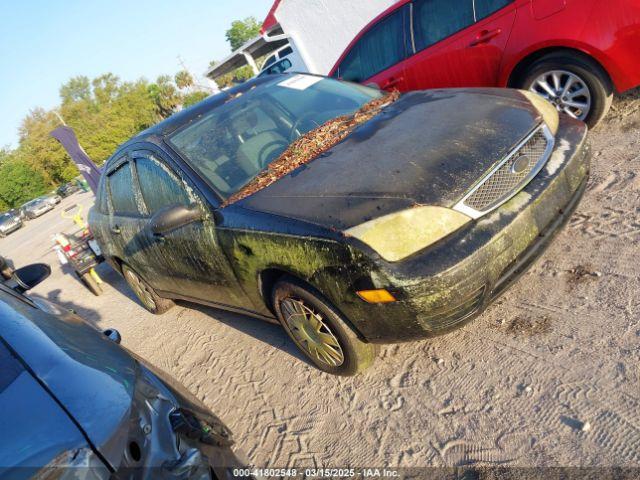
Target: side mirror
<point>173,217</point>
<point>26,278</point>
<point>113,335</point>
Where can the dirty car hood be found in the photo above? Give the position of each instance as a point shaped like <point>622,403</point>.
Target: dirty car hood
<point>427,148</point>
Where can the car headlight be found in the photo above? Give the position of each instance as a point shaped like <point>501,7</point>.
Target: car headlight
<point>549,112</point>
<point>398,235</point>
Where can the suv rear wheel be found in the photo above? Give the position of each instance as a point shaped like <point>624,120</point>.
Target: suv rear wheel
<point>575,84</point>
<point>318,330</point>
<point>145,293</point>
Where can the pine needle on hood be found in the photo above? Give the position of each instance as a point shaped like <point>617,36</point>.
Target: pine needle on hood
<point>312,144</point>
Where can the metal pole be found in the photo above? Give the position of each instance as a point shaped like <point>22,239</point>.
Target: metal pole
<point>55,112</point>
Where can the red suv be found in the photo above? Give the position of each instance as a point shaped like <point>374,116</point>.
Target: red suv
<point>575,53</point>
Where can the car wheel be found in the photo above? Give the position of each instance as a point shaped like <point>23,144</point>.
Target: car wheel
<point>145,293</point>
<point>90,282</point>
<point>319,331</point>
<point>574,84</point>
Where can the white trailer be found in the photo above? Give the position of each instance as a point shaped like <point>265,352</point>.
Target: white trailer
<point>317,31</point>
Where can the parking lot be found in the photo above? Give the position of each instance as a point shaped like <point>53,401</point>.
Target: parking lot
<point>549,375</point>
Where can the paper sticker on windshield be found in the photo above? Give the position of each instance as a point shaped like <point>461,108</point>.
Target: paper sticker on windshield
<point>300,82</point>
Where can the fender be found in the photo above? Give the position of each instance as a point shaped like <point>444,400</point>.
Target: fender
<point>539,49</point>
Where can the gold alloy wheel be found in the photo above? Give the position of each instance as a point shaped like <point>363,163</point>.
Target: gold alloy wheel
<point>140,289</point>
<point>311,333</point>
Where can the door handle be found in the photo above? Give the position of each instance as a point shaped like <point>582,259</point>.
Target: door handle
<point>484,36</point>
<point>116,230</point>
<point>392,82</point>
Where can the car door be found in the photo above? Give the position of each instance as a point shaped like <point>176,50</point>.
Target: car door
<point>458,44</point>
<point>188,261</point>
<point>122,237</point>
<point>378,56</point>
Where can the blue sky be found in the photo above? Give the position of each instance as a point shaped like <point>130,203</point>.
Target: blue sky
<point>44,43</point>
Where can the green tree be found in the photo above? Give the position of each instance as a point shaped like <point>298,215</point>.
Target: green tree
<point>111,119</point>
<point>44,154</point>
<point>183,79</point>
<point>105,88</point>
<point>241,31</point>
<point>76,89</point>
<point>19,182</point>
<point>243,74</point>
<point>193,98</point>
<point>5,155</point>
<point>165,95</point>
<point>104,112</point>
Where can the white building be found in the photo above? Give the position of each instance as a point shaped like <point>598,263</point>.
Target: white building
<point>317,30</point>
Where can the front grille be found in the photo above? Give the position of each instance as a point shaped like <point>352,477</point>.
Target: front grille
<point>511,175</point>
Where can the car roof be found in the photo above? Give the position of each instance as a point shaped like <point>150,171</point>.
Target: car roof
<point>195,112</point>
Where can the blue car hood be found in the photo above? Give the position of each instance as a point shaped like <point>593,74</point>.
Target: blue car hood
<point>89,374</point>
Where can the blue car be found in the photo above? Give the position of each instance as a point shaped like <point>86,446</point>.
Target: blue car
<point>75,404</point>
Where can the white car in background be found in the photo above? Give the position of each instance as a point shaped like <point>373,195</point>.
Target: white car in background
<point>52,199</point>
<point>36,207</point>
<point>9,222</point>
<point>285,59</point>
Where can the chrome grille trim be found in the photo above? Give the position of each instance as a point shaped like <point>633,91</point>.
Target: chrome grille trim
<point>479,201</point>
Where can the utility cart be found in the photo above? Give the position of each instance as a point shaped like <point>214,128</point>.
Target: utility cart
<point>80,250</point>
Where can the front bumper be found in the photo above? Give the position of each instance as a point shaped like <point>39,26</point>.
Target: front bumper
<point>174,435</point>
<point>11,229</point>
<point>451,282</point>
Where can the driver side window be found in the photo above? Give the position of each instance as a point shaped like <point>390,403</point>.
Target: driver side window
<point>159,186</point>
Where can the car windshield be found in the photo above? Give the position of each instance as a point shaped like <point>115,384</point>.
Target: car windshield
<point>5,218</point>
<point>234,142</point>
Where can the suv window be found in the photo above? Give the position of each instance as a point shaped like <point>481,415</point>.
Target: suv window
<point>280,67</point>
<point>484,8</point>
<point>121,191</point>
<point>285,51</point>
<point>435,20</point>
<point>159,186</point>
<point>381,47</point>
<point>269,61</point>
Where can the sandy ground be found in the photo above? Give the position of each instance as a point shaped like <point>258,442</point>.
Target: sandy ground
<point>549,375</point>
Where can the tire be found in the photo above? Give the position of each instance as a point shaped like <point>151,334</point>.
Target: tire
<point>347,354</point>
<point>145,293</point>
<point>90,282</point>
<point>586,70</point>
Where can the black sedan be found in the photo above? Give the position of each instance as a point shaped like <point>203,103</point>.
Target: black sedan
<point>77,405</point>
<point>352,216</point>
<point>67,189</point>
